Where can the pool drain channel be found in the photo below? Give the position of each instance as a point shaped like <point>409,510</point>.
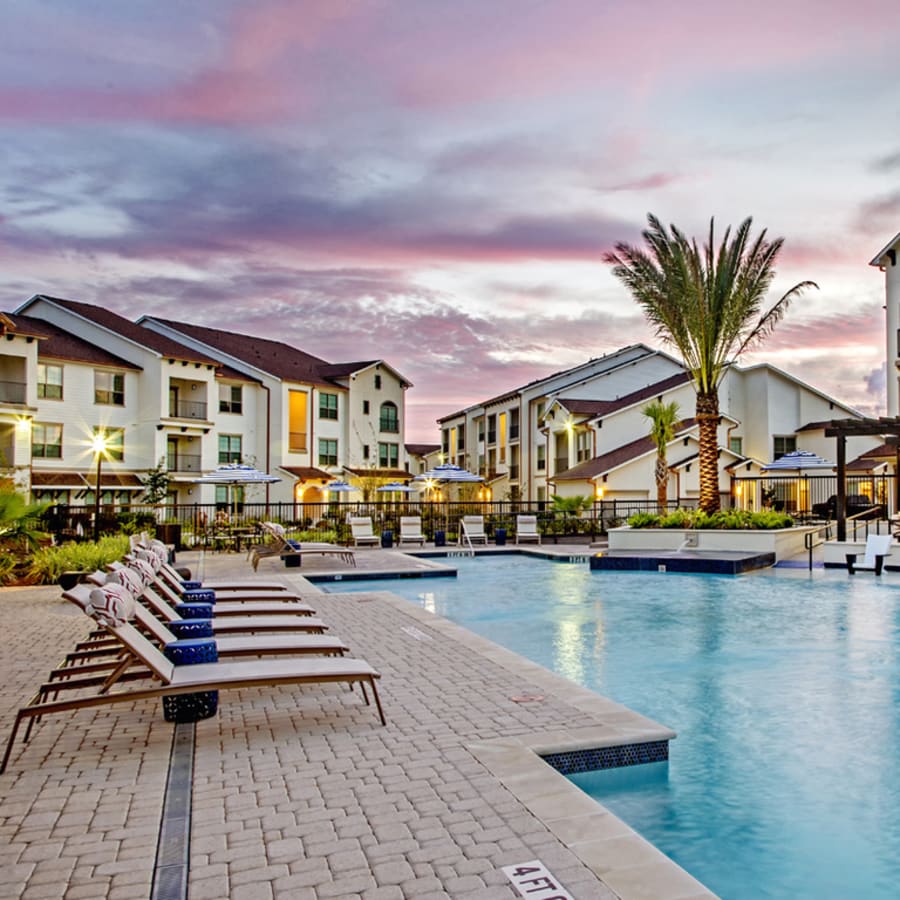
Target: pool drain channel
<point>170,873</point>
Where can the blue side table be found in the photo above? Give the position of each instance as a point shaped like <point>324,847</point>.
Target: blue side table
<point>194,610</point>
<point>199,705</point>
<point>440,539</point>
<point>387,538</point>
<point>500,537</point>
<point>191,628</point>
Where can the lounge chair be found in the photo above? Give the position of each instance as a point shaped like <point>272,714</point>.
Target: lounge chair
<point>238,605</point>
<point>473,528</point>
<point>228,645</point>
<point>363,535</point>
<point>878,549</point>
<point>278,545</point>
<point>249,622</point>
<point>527,529</point>
<point>411,531</point>
<point>98,690</point>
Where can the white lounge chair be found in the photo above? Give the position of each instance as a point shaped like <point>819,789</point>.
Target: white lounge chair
<point>473,528</point>
<point>363,535</point>
<point>278,545</point>
<point>527,529</point>
<point>878,549</point>
<point>411,531</point>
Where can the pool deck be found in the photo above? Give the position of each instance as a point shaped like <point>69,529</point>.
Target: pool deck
<point>302,793</point>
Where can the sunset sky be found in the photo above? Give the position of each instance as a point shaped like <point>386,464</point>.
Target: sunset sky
<point>434,182</point>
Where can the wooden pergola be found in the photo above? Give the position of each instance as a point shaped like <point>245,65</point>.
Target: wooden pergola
<point>886,427</point>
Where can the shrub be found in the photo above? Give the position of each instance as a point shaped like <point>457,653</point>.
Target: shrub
<point>8,563</point>
<point>725,519</point>
<point>49,563</point>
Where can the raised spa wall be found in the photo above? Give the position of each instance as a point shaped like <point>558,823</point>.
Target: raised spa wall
<point>783,542</point>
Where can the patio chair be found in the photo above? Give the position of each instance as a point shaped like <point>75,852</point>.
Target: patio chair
<point>878,549</point>
<point>99,689</point>
<point>411,531</point>
<point>527,529</point>
<point>472,527</point>
<point>251,621</point>
<point>363,535</point>
<point>278,545</point>
<point>236,605</point>
<point>228,645</point>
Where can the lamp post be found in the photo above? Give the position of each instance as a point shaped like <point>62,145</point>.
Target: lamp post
<point>99,446</point>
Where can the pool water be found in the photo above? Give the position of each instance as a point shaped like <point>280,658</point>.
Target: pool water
<point>784,689</point>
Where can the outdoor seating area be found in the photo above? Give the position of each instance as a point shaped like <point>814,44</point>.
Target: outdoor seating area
<point>168,637</point>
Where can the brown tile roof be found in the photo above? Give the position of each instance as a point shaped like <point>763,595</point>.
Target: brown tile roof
<point>58,479</point>
<point>874,458</point>
<point>106,318</point>
<point>85,480</point>
<point>606,462</point>
<point>306,473</point>
<point>392,474</point>
<point>342,370</point>
<point>274,357</point>
<point>814,426</point>
<point>421,449</point>
<point>226,373</point>
<point>58,344</point>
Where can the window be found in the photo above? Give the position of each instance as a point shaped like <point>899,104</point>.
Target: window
<point>377,382</point>
<point>582,446</point>
<point>492,429</point>
<point>229,448</point>
<point>388,456</point>
<point>230,498</point>
<point>46,441</point>
<point>365,407</point>
<point>461,438</point>
<point>115,442</point>
<point>445,442</point>
<point>109,387</point>
<point>784,444</point>
<point>328,406</point>
<point>297,421</point>
<point>327,452</point>
<point>541,457</point>
<point>736,445</point>
<point>49,382</point>
<point>231,398</point>
<point>365,451</point>
<point>388,419</point>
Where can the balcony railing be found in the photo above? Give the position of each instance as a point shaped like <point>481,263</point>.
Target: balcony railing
<point>187,409</point>
<point>12,391</point>
<point>183,462</point>
<point>297,441</point>
<point>561,463</point>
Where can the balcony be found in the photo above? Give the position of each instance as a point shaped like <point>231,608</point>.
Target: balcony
<point>183,462</point>
<point>12,391</point>
<point>492,437</point>
<point>561,463</point>
<point>513,432</point>
<point>187,409</point>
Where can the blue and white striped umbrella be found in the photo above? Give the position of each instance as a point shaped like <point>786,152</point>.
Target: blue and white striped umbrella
<point>339,487</point>
<point>396,486</point>
<point>798,459</point>
<point>236,473</point>
<point>447,472</point>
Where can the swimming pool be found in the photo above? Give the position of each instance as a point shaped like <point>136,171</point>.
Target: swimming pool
<point>784,689</point>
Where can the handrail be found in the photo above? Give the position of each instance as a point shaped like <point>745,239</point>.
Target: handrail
<point>815,538</point>
<point>464,533</point>
<point>856,519</point>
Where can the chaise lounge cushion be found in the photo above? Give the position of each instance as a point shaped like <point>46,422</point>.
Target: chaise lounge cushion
<point>112,604</point>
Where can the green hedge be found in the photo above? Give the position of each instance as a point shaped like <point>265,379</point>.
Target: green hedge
<point>49,563</point>
<point>739,519</point>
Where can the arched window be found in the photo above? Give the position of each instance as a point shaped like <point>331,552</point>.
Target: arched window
<point>388,420</point>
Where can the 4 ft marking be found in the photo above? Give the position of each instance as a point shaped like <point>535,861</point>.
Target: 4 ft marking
<point>535,881</point>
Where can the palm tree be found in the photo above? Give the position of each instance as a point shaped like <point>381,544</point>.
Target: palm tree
<point>663,418</point>
<point>708,303</point>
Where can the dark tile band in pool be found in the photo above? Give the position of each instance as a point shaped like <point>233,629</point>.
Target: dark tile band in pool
<point>571,761</point>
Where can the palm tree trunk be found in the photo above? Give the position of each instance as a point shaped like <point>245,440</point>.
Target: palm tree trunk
<point>708,420</point>
<point>662,483</point>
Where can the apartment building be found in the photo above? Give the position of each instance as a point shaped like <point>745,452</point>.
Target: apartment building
<point>585,433</point>
<point>189,398</point>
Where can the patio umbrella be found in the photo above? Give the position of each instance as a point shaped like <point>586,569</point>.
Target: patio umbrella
<point>798,459</point>
<point>236,473</point>
<point>447,472</point>
<point>397,486</point>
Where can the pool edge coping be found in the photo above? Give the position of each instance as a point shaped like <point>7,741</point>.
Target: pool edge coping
<point>627,863</point>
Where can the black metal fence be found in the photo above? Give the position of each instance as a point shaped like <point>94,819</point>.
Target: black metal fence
<point>809,498</point>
